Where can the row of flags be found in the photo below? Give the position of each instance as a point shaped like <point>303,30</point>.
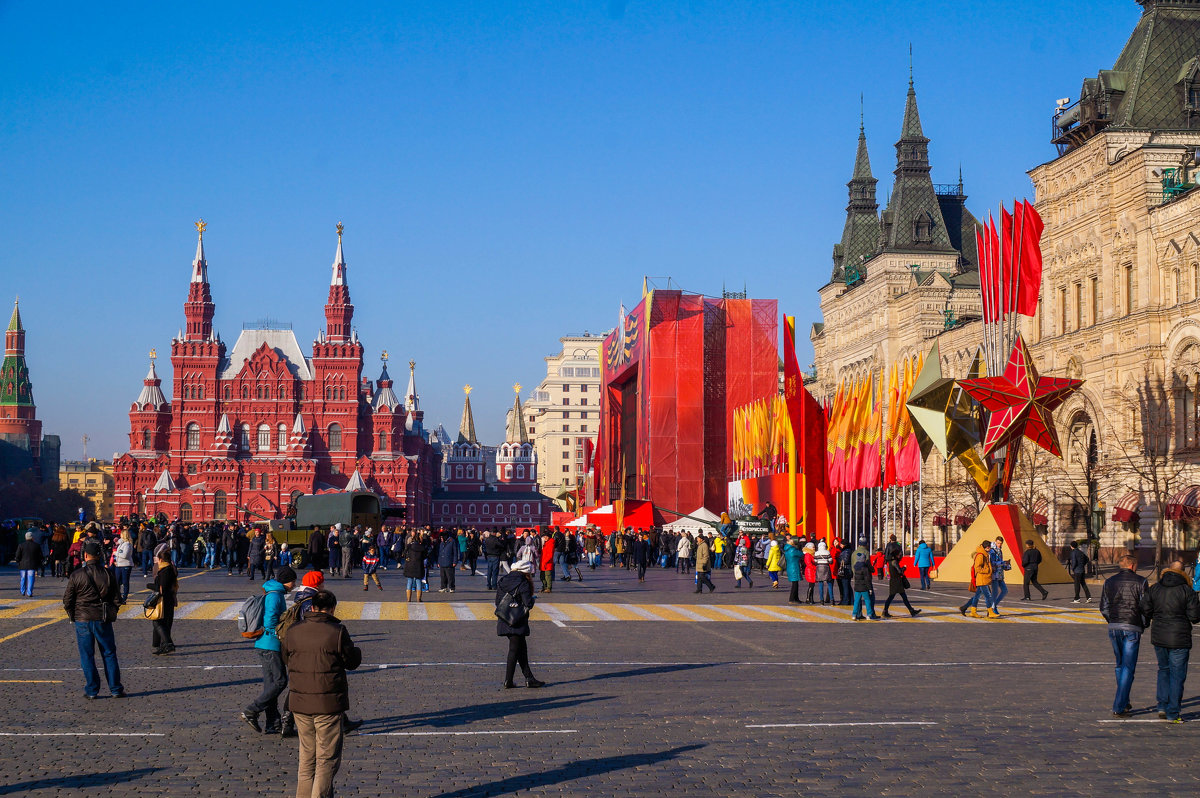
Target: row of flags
<point>870,441</point>
<point>1010,262</point>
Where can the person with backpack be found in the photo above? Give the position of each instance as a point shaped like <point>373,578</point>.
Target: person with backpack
<point>266,644</point>
<point>516,588</point>
<point>317,653</point>
<point>1077,564</point>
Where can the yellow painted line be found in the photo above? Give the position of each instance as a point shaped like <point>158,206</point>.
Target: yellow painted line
<point>29,607</point>
<point>208,612</point>
<point>393,611</point>
<point>825,614</point>
<point>575,612</point>
<point>349,610</point>
<point>30,681</point>
<point>751,613</point>
<point>30,629</point>
<point>483,610</point>
<point>619,611</point>
<point>711,614</point>
<point>662,612</point>
<point>440,611</point>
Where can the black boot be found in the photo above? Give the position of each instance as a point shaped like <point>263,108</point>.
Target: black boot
<point>288,725</point>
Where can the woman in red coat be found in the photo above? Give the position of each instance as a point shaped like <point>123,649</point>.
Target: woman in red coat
<point>547,562</point>
<point>810,569</point>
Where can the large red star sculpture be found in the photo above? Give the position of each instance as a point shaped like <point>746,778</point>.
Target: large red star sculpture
<point>1021,402</point>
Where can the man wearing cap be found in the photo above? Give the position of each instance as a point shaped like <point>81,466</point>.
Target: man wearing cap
<point>90,602</point>
<point>267,646</point>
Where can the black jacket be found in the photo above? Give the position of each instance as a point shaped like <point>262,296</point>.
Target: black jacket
<point>1121,599</point>
<point>1077,562</point>
<point>81,601</point>
<point>414,560</point>
<point>494,546</point>
<point>1172,607</point>
<point>1031,559</point>
<point>29,555</point>
<point>862,576</point>
<point>521,587</point>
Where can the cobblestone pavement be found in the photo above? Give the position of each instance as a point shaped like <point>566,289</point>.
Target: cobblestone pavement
<point>633,708</point>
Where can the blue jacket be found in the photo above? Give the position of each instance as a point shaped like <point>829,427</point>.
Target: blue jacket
<point>795,562</point>
<point>275,605</point>
<point>448,552</point>
<point>923,556</point>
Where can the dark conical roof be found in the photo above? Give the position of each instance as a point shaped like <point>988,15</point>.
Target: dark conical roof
<point>913,220</point>
<point>860,235</point>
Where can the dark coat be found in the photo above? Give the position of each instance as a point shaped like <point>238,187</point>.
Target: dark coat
<point>81,601</point>
<point>1121,598</point>
<point>521,587</point>
<point>448,552</point>
<point>29,555</point>
<point>897,581</point>
<point>166,582</point>
<point>316,546</point>
<point>862,576</point>
<point>494,546</point>
<point>257,550</point>
<point>641,552</point>
<point>317,652</point>
<point>414,560</point>
<point>1172,607</point>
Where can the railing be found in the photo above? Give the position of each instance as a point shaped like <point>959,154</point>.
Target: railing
<point>948,189</point>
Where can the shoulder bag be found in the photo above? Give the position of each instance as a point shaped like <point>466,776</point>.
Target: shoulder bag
<point>511,610</point>
<point>108,610</point>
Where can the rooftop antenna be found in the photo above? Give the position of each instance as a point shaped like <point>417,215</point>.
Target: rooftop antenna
<point>85,440</point>
<point>861,118</point>
<point>910,69</point>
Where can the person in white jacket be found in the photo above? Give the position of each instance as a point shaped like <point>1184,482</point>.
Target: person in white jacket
<point>683,553</point>
<point>123,562</point>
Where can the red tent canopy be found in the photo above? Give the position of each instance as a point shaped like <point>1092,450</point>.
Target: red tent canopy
<point>1185,504</point>
<point>1040,512</point>
<point>1127,508</point>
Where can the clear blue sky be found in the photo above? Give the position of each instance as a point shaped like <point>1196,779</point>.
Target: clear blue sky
<point>506,171</point>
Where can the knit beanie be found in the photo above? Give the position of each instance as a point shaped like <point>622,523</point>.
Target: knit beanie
<point>285,575</point>
<point>313,579</point>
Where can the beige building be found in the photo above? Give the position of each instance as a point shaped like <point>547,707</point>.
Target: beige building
<point>94,479</point>
<point>1120,304</point>
<point>564,411</point>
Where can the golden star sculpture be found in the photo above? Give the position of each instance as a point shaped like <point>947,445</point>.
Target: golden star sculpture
<point>935,413</point>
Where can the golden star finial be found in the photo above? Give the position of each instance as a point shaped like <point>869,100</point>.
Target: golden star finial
<point>200,227</point>
<point>467,390</point>
<point>340,228</point>
<point>383,356</point>
<point>153,354</point>
<point>517,388</point>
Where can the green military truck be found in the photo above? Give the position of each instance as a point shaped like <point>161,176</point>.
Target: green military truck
<point>323,510</point>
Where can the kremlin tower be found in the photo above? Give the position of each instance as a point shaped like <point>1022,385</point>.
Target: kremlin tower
<point>22,447</point>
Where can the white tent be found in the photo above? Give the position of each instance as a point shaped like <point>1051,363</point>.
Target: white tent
<point>700,520</point>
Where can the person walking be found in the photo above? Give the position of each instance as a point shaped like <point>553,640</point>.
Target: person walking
<point>897,583</point>
<point>123,562</point>
<point>741,563</point>
<point>317,652</point>
<point>981,578</point>
<point>414,564</point>
<point>824,562</point>
<point>704,565</point>
<point>29,560</point>
<point>518,584</point>
<point>1077,563</point>
<point>493,549</point>
<point>90,601</point>
<point>864,582</point>
<point>1121,606</point>
<point>1031,559</point>
<point>642,554</point>
<point>267,646</point>
<point>370,567</point>
<point>1172,608</point>
<point>793,555</point>
<point>270,555</point>
<point>999,566</point>
<point>166,584</point>
<point>448,558</point>
<point>257,555</point>
<point>546,561</point>
<point>774,559</point>
<point>923,560</point>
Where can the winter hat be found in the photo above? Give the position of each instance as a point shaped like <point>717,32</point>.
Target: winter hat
<point>91,548</point>
<point>29,536</point>
<point>285,575</point>
<point>313,579</point>
<point>524,567</point>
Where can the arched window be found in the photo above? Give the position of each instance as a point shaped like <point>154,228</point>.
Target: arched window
<point>458,509</point>
<point>335,437</point>
<point>141,504</point>
<point>525,510</point>
<point>470,472</point>
<point>193,437</point>
<point>471,510</point>
<point>220,508</point>
<point>145,439</point>
<point>508,472</point>
<point>199,391</point>
<point>382,440</point>
<point>244,437</point>
<point>264,483</point>
<point>512,509</point>
<point>264,437</point>
<point>245,391</point>
<point>283,437</point>
<point>485,509</point>
<point>228,393</point>
<point>185,512</point>
<point>458,472</point>
<point>254,482</point>
<point>1178,287</point>
<point>520,472</point>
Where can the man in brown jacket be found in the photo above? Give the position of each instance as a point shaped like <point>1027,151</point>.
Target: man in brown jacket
<point>317,652</point>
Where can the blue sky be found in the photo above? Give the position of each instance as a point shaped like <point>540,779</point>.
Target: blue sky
<point>507,172</point>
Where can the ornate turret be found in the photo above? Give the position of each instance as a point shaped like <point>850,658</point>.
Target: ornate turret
<point>298,443</point>
<point>913,220</point>
<point>516,460</point>
<point>19,427</point>
<point>198,309</point>
<point>16,390</point>
<point>515,428</point>
<point>385,399</point>
<point>466,427</point>
<point>223,442</point>
<point>338,310</point>
<point>860,236</point>
<point>150,416</point>
<point>415,416</point>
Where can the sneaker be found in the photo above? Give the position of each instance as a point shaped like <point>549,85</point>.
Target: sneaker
<point>1176,720</point>
<point>1089,600</point>
<point>251,719</point>
<point>93,698</point>
<point>1076,601</point>
<point>451,590</point>
<point>1121,714</point>
<point>1161,715</point>
<point>534,684</point>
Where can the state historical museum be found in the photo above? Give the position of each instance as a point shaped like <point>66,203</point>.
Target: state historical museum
<point>251,429</point>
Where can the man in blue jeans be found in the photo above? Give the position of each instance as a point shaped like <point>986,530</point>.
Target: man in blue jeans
<point>267,648</point>
<point>1172,609</point>
<point>493,547</point>
<point>1121,606</point>
<point>89,590</point>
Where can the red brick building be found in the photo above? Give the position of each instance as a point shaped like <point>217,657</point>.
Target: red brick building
<point>251,428</point>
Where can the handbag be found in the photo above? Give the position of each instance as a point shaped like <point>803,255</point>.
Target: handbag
<point>108,610</point>
<point>511,610</point>
<point>153,606</point>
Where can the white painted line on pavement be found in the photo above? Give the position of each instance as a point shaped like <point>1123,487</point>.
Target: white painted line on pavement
<point>370,611</point>
<point>462,612</point>
<point>230,612</point>
<point>850,723</point>
<point>417,611</point>
<point>81,734</point>
<point>187,609</point>
<point>685,612</point>
<point>642,612</point>
<point>599,613</point>
<point>1134,720</point>
<point>463,733</point>
<point>555,614</point>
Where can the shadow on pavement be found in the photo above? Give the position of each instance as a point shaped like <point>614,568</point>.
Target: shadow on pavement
<point>460,716</point>
<point>647,671</point>
<point>77,782</point>
<point>191,687</point>
<point>580,769</point>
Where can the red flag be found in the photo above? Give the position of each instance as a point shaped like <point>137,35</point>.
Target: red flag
<point>1007,283</point>
<point>997,271</point>
<point>989,313</point>
<point>1031,261</point>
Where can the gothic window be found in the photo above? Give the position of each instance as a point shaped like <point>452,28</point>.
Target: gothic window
<point>382,440</point>
<point>264,437</point>
<point>263,482</point>
<point>283,437</point>
<point>253,481</point>
<point>228,393</point>
<point>244,437</point>
<point>458,509</point>
<point>1178,287</point>
<point>1187,408</point>
<point>520,472</point>
<point>486,508</point>
<point>458,472</point>
<point>508,472</point>
<point>199,391</point>
<point>1195,281</point>
<point>335,437</point>
<point>193,437</point>
<point>1095,300</point>
<point>1130,300</point>
<point>525,510</point>
<point>145,439</point>
<point>1078,305</point>
<point>220,507</point>
<point>512,509</point>
<point>185,512</point>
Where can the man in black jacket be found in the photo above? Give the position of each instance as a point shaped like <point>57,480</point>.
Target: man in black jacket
<point>1172,608</point>
<point>493,549</point>
<point>89,589</point>
<point>1121,606</point>
<point>1031,559</point>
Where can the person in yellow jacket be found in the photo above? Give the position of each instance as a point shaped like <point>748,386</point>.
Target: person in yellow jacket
<point>774,559</point>
<point>981,576</point>
<point>718,550</point>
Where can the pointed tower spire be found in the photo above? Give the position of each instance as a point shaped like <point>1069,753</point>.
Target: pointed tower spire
<point>151,397</point>
<point>860,235</point>
<point>198,309</point>
<point>412,401</point>
<point>338,311</point>
<point>516,420</point>
<point>14,323</point>
<point>16,388</point>
<point>466,427</point>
